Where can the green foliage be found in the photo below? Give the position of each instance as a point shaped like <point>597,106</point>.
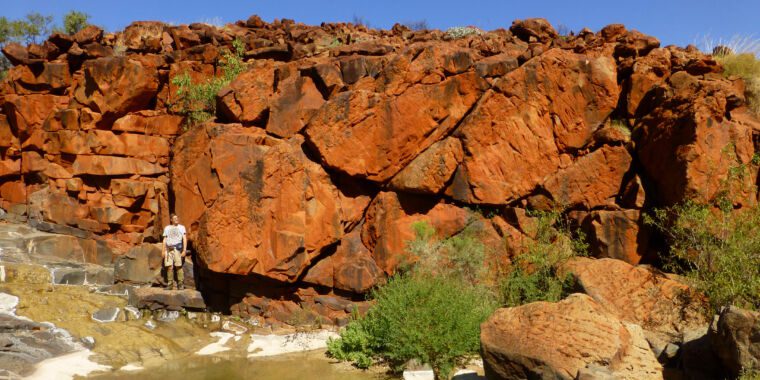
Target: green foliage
<point>197,101</point>
<point>434,319</point>
<point>458,32</point>
<point>74,21</point>
<point>26,30</point>
<point>621,125</point>
<point>461,256</point>
<point>718,250</point>
<point>432,310</point>
<point>533,275</point>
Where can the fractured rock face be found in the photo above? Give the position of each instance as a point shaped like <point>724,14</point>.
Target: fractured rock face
<point>689,149</point>
<point>559,340</point>
<point>514,137</point>
<point>373,136</point>
<point>275,215</point>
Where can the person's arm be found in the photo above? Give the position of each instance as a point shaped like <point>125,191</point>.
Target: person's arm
<point>184,244</point>
<point>163,245</point>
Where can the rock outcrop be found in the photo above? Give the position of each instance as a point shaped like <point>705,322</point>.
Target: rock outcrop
<point>336,139</point>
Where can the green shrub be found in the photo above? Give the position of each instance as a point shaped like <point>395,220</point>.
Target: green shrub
<point>533,275</point>
<point>718,251</point>
<point>74,21</point>
<point>434,319</point>
<point>197,101</point>
<point>747,67</point>
<point>461,256</point>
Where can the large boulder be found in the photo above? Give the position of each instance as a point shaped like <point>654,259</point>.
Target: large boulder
<point>431,171</point>
<point>640,295</point>
<point>617,234</point>
<point>519,131</point>
<point>276,212</point>
<point>544,340</point>
<point>114,86</point>
<point>373,136</point>
<point>689,149</point>
<point>736,340</point>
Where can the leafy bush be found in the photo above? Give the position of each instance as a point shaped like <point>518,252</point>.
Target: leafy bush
<point>74,21</point>
<point>197,101</point>
<point>434,319</point>
<point>461,256</point>
<point>458,32</point>
<point>717,250</point>
<point>533,275</point>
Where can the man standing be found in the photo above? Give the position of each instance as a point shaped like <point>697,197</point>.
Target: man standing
<point>173,252</point>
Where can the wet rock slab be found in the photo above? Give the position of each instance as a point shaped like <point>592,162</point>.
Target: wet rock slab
<point>157,299</point>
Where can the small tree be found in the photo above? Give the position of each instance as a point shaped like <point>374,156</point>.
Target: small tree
<point>717,250</point>
<point>433,319</point>
<point>197,101</point>
<point>74,21</point>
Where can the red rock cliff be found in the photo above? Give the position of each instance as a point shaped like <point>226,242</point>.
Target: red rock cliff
<point>337,138</point>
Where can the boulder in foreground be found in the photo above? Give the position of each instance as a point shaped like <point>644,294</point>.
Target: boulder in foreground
<point>544,340</point>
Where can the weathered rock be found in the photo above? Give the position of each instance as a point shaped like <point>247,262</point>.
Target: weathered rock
<point>294,104</point>
<point>350,268</point>
<point>736,340</point>
<point>514,137</point>
<point>533,29</point>
<point>559,340</point>
<point>141,265</point>
<point>373,136</point>
<point>617,235</point>
<point>113,166</point>
<point>115,86</point>
<point>592,181</point>
<point>106,315</point>
<point>656,302</point>
<point>285,211</point>
<point>431,171</point>
<point>160,299</point>
<point>688,147</point>
<point>247,98</point>
<point>388,225</point>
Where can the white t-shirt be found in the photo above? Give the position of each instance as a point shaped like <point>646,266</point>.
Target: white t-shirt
<point>173,234</point>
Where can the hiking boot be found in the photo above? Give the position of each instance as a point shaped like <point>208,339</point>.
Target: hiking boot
<point>169,286</point>
<point>181,286</point>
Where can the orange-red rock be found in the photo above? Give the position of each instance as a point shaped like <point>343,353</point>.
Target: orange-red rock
<point>514,137</point>
<point>275,215</point>
<point>639,295</point>
<point>247,98</point>
<point>114,86</point>
<point>559,340</point>
<point>592,181</point>
<point>350,268</point>
<point>112,166</point>
<point>431,171</point>
<point>373,136</point>
<point>388,225</point>
<point>617,234</point>
<point>688,147</point>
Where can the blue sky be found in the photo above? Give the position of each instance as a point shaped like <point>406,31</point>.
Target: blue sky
<point>677,22</point>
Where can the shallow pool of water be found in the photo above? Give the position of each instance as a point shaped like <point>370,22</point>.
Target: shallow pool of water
<point>311,365</point>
